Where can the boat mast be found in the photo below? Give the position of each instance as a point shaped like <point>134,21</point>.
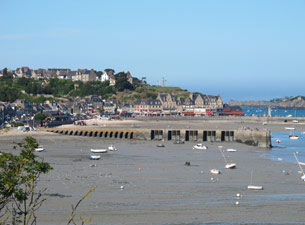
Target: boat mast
<point>223,155</point>
<point>251,177</point>
<point>298,163</point>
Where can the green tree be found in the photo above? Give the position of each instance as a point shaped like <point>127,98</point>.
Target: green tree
<point>19,175</point>
<point>8,94</point>
<point>41,116</point>
<point>121,82</point>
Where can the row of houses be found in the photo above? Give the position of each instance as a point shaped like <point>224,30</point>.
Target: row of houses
<point>163,105</point>
<point>83,75</point>
<point>167,104</point>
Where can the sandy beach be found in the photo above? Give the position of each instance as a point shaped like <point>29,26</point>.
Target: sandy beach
<point>157,186</point>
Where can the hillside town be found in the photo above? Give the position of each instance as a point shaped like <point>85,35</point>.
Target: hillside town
<point>68,110</point>
<point>83,75</point>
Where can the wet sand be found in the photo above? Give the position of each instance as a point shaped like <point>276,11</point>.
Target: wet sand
<point>165,191</point>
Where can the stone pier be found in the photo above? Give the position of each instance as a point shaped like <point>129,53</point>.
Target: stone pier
<point>261,138</point>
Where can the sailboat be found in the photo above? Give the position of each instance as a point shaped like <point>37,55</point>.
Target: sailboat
<point>295,116</point>
<point>254,187</point>
<point>299,163</point>
<point>228,165</point>
<point>292,136</point>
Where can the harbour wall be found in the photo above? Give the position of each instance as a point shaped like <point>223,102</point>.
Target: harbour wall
<point>259,138</point>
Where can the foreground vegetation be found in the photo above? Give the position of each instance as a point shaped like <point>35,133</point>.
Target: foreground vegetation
<point>20,197</point>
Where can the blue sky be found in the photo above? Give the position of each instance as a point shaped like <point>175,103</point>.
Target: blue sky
<point>239,49</point>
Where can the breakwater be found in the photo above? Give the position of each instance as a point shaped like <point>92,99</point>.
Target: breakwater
<point>259,138</point>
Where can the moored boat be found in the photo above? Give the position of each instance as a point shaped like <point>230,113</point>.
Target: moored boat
<point>231,150</point>
<point>98,150</point>
<point>230,166</point>
<point>215,171</point>
<point>112,148</point>
<point>254,187</point>
<point>94,157</point>
<point>294,137</point>
<point>40,149</point>
<point>200,146</point>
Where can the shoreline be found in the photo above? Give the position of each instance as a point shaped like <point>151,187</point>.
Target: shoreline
<point>164,191</point>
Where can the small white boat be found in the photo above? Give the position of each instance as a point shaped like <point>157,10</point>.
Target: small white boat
<point>94,157</point>
<point>98,150</point>
<point>231,150</point>
<point>289,115</point>
<point>230,166</point>
<point>289,128</point>
<point>40,149</point>
<point>200,146</point>
<point>295,121</point>
<point>112,148</point>
<point>215,171</point>
<point>254,187</point>
<point>294,137</point>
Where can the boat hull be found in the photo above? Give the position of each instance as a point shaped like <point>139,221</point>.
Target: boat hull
<point>98,150</point>
<point>253,187</point>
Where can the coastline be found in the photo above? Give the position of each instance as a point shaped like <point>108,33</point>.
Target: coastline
<point>165,191</point>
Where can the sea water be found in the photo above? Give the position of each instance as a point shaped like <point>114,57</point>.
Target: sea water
<point>285,149</point>
<point>282,112</point>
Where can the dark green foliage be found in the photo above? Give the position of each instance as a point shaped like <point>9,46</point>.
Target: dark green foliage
<point>41,116</point>
<point>121,82</point>
<point>18,182</point>
<point>93,88</point>
<point>8,94</point>
<point>139,89</point>
<point>151,95</point>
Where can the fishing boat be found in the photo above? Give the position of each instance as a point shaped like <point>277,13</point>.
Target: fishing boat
<point>231,150</point>
<point>112,148</point>
<point>215,171</point>
<point>98,150</point>
<point>299,164</point>
<point>254,187</point>
<point>200,146</point>
<point>94,157</point>
<point>40,149</point>
<point>230,165</point>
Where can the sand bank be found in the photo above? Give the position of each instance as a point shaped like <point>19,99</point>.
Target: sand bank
<point>164,191</point>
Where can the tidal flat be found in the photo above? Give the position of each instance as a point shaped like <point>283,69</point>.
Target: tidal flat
<point>144,184</point>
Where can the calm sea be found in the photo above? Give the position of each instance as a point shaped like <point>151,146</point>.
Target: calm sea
<point>285,149</point>
<point>274,112</point>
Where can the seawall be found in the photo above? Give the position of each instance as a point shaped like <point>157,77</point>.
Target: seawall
<point>259,138</point>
